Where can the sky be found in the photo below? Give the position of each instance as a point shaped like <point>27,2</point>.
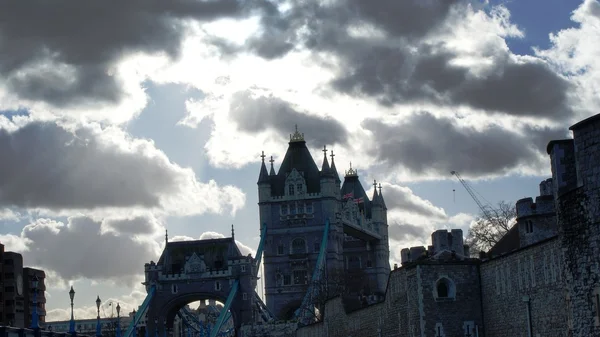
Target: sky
<point>120,120</point>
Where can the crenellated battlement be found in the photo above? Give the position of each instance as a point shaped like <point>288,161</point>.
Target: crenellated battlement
<point>543,205</point>
<point>442,241</point>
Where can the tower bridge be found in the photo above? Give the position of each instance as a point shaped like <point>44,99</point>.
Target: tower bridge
<point>313,226</point>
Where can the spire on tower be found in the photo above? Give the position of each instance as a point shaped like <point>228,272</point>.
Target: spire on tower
<point>263,177</point>
<point>351,172</point>
<point>333,168</point>
<point>381,197</point>
<point>297,136</point>
<point>272,172</point>
<point>375,198</point>
<point>325,167</point>
<point>232,232</point>
<point>166,237</point>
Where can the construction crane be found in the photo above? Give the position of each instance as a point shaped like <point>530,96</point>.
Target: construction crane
<point>485,210</point>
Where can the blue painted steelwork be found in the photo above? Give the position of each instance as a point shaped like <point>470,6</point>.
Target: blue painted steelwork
<point>259,251</point>
<point>306,311</point>
<point>203,330</point>
<point>225,310</point>
<point>141,312</point>
<point>264,312</point>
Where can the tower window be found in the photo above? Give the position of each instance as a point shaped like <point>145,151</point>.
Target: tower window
<point>309,208</point>
<point>280,249</point>
<point>287,280</point>
<point>291,189</point>
<point>528,226</point>
<point>299,188</point>
<point>442,289</point>
<point>217,286</point>
<point>300,277</point>
<point>298,246</point>
<point>293,208</point>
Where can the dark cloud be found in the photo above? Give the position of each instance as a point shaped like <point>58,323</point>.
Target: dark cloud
<point>44,165</point>
<point>403,65</point>
<point>425,144</point>
<point>257,114</point>
<point>61,51</point>
<point>140,225</point>
<point>403,231</point>
<point>79,249</point>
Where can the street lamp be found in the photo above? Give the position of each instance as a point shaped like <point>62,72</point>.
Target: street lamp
<point>34,313</point>
<point>165,327</point>
<point>72,322</point>
<point>156,326</point>
<point>118,320</point>
<point>98,326</point>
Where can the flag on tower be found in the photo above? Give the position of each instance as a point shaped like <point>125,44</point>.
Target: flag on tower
<point>348,195</point>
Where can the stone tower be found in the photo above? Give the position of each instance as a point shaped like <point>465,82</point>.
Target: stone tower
<point>576,187</point>
<point>295,203</point>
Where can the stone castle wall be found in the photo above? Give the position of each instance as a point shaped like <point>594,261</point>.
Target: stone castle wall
<point>526,282</point>
<point>410,307</point>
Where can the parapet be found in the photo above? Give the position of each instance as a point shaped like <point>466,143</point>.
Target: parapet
<point>546,187</point>
<point>444,240</point>
<point>562,160</point>
<point>412,254</point>
<point>543,205</point>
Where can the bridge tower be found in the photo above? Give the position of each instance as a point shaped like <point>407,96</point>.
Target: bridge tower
<point>295,203</point>
<point>189,271</point>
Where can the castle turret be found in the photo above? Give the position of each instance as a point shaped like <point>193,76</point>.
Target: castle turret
<point>335,173</point>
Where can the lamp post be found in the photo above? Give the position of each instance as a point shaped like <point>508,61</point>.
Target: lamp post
<point>34,313</point>
<point>98,326</point>
<point>72,322</point>
<point>118,320</point>
<point>165,327</point>
<point>156,326</point>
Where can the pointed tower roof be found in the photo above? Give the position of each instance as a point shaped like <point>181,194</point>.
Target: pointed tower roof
<point>297,157</point>
<point>354,189</point>
<point>325,167</point>
<point>334,169</point>
<point>375,200</point>
<point>263,177</point>
<point>272,171</point>
<point>381,198</point>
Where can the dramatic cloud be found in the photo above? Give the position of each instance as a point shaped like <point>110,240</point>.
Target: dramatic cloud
<point>404,231</point>
<point>65,53</point>
<point>426,144</point>
<point>400,198</point>
<point>49,166</point>
<point>575,52</point>
<point>418,54</point>
<point>80,249</point>
<point>255,114</point>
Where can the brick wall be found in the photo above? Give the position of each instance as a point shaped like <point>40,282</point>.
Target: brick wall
<point>532,274</point>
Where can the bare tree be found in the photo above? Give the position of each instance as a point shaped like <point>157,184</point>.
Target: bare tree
<point>489,229</point>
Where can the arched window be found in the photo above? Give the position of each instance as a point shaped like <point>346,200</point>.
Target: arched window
<point>298,246</point>
<point>444,289</point>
